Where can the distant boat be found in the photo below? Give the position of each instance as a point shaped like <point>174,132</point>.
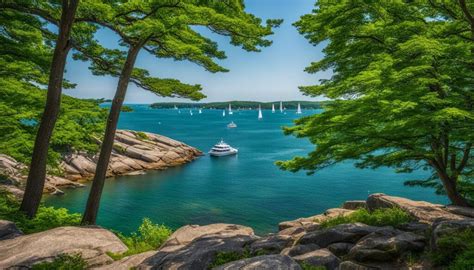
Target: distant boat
<point>260,116</point>
<point>232,125</point>
<point>281,106</point>
<point>273,108</point>
<point>299,109</point>
<point>230,110</point>
<point>223,113</point>
<point>179,111</point>
<point>191,112</point>
<point>175,107</point>
<point>200,111</point>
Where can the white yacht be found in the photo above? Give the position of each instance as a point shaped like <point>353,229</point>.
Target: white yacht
<point>222,149</point>
<point>231,125</point>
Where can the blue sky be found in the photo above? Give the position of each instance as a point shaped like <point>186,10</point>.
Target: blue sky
<point>273,74</point>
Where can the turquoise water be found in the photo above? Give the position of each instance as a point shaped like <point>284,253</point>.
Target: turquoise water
<point>245,189</point>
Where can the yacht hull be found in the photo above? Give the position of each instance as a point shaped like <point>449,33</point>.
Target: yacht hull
<point>223,154</point>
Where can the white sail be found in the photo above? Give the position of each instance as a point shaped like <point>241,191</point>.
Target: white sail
<point>273,108</point>
<point>191,112</point>
<point>200,111</point>
<point>260,116</point>
<point>175,107</point>
<point>223,113</point>
<point>299,109</point>
<point>281,106</point>
<point>230,109</point>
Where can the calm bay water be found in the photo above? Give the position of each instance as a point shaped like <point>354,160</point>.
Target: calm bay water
<point>246,189</point>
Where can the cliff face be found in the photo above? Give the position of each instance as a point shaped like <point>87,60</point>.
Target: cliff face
<point>134,152</point>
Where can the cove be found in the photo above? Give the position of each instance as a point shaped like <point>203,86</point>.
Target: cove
<point>246,189</point>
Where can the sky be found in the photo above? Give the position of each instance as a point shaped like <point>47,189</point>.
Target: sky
<point>270,75</point>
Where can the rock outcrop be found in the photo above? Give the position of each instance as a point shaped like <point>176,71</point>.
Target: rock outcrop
<point>134,152</point>
<point>195,247</point>
<point>353,246</point>
<point>91,243</point>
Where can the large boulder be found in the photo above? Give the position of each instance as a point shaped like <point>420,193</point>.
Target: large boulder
<point>349,233</point>
<point>340,249</point>
<point>129,262</point>
<point>387,244</point>
<point>420,210</point>
<point>320,257</point>
<point>272,244</point>
<point>8,230</point>
<point>449,227</point>
<point>299,250</point>
<point>354,205</point>
<point>267,262</point>
<point>348,265</point>
<point>92,243</point>
<point>461,210</point>
<point>196,247</point>
<point>311,223</point>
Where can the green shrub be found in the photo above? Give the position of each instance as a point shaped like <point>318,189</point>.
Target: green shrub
<point>226,257</point>
<point>46,217</point>
<point>63,262</point>
<point>455,250</point>
<point>379,217</point>
<point>142,135</point>
<point>150,236</point>
<point>307,266</point>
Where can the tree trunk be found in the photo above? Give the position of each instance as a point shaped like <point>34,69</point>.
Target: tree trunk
<point>93,202</point>
<point>451,190</point>
<point>37,173</point>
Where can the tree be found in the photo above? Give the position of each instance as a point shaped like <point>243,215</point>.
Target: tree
<point>164,28</point>
<point>37,173</point>
<point>402,90</point>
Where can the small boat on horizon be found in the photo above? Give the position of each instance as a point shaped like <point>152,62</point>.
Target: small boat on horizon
<point>273,108</point>
<point>191,112</point>
<point>222,149</point>
<point>260,116</point>
<point>230,110</point>
<point>298,111</point>
<point>231,125</point>
<point>223,113</point>
<point>200,111</point>
<point>281,106</point>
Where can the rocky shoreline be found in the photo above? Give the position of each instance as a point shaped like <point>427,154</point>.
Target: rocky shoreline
<point>352,246</point>
<point>134,153</point>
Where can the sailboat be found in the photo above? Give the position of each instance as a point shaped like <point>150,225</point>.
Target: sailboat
<point>223,113</point>
<point>175,107</point>
<point>200,111</point>
<point>260,116</point>
<point>299,109</point>
<point>230,110</point>
<point>273,108</point>
<point>281,106</point>
<point>191,112</point>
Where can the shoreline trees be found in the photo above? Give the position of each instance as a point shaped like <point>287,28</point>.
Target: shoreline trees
<point>402,86</point>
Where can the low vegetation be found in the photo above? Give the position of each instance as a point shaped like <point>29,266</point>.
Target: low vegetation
<point>149,236</point>
<point>227,257</point>
<point>307,266</point>
<point>63,262</point>
<point>46,218</point>
<point>380,217</point>
<point>455,251</point>
<point>142,135</point>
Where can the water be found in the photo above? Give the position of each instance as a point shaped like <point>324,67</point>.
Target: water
<point>246,189</point>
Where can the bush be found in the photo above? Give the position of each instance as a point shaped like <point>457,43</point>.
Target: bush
<point>455,250</point>
<point>307,266</point>
<point>226,257</point>
<point>150,236</point>
<point>63,262</point>
<point>142,135</point>
<point>46,217</point>
<point>380,217</point>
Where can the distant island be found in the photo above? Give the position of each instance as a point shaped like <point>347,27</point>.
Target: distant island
<point>292,105</point>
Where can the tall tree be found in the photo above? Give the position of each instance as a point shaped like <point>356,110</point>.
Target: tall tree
<point>402,90</point>
<point>166,28</point>
<point>37,173</point>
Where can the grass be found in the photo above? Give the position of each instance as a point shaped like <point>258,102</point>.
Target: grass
<point>455,251</point>
<point>226,257</point>
<point>46,217</point>
<point>149,236</point>
<point>63,262</point>
<point>380,217</point>
<point>307,266</point>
